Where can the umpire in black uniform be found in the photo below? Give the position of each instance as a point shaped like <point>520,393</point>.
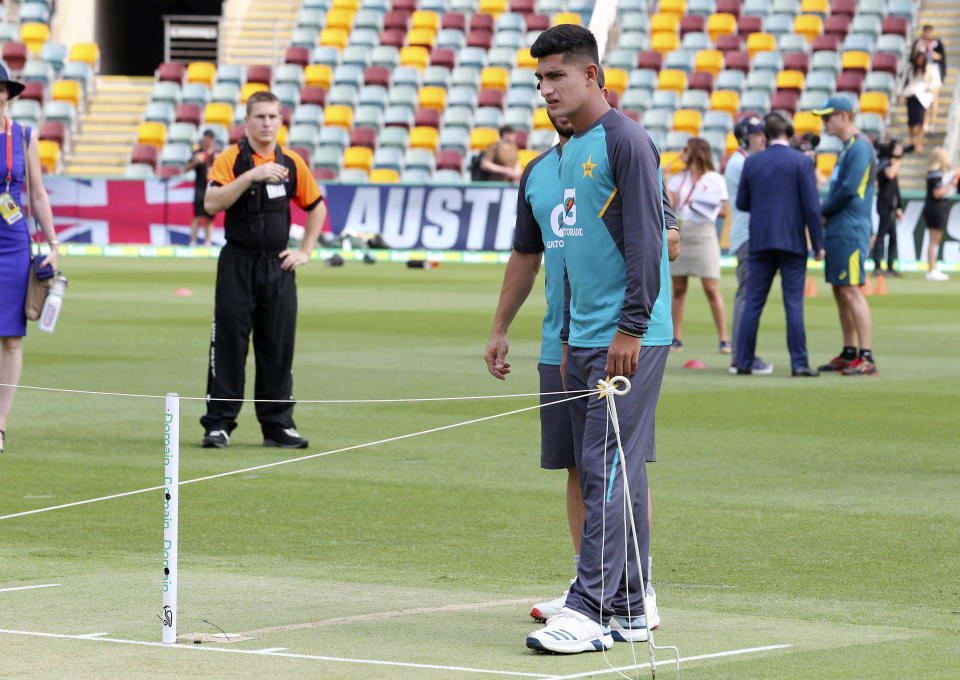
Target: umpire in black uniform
<point>254,182</point>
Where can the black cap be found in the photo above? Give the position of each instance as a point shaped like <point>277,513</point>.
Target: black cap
<point>13,86</point>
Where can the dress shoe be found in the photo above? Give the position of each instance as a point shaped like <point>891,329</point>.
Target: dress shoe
<point>805,373</point>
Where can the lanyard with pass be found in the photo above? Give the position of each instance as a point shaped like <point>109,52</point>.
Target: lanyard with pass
<point>8,145</point>
<point>693,186</point>
<point>9,209</point>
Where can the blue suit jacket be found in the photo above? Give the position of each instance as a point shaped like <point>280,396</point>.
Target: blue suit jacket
<point>778,188</point>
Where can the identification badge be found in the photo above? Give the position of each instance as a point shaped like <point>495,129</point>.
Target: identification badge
<point>9,209</point>
<point>276,191</point>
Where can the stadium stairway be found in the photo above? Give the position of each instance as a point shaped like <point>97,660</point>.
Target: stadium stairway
<point>257,32</point>
<point>107,129</point>
<point>944,16</point>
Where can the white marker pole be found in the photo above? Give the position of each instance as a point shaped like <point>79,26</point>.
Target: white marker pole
<point>171,503</point>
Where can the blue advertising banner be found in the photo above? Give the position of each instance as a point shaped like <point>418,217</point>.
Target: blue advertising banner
<point>427,217</point>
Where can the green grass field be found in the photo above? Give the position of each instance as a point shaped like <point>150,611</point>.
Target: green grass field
<point>816,518</point>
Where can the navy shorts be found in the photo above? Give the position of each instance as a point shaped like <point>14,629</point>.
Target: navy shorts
<point>556,430</point>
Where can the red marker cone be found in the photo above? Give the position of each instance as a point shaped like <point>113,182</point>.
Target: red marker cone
<point>811,289</point>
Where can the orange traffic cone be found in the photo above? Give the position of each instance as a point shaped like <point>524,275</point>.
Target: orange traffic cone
<point>881,288</point>
<point>867,288</point>
<point>811,289</point>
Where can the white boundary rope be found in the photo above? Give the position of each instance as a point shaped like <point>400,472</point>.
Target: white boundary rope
<point>354,447</point>
<point>298,401</point>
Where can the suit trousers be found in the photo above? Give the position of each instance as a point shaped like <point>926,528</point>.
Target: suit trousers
<point>763,267</point>
<point>255,294</point>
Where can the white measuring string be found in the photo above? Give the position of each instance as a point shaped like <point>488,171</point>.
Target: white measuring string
<point>301,458</point>
<point>401,400</point>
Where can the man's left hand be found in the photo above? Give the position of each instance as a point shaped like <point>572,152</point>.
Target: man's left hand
<point>291,259</point>
<point>622,355</point>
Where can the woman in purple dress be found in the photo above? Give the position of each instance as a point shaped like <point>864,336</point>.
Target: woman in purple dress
<point>19,154</point>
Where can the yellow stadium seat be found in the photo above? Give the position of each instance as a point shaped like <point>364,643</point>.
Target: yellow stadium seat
<point>424,137</point>
<point>318,75</point>
<point>68,91</point>
<point>49,154</point>
<point>664,21</point>
<point>615,80</point>
<point>424,18</point>
<point>806,121</point>
<point>218,113</point>
<point>352,5</point>
<point>821,7</point>
<point>725,100</point>
<point>874,102</point>
<point>340,18</point>
<point>541,121</point>
<point>494,78</point>
<point>808,25</point>
<point>566,18</point>
<point>34,35</point>
<point>334,37</point>
<point>88,53</point>
<point>687,120</point>
<point>791,80</point>
<point>423,37</point>
<point>415,56</point>
<point>526,155</point>
<point>826,162</point>
<point>384,176</point>
<point>249,88</point>
<point>670,161</point>
<point>710,61</point>
<point>494,7</point>
<point>432,97</point>
<point>677,7</point>
<point>360,157</point>
<point>202,72</point>
<point>524,59</point>
<point>855,59</point>
<point>761,42</point>
<point>483,137</point>
<point>732,143</point>
<point>664,42</point>
<point>673,79</point>
<point>721,24</point>
<point>339,115</point>
<point>282,133</point>
<point>153,133</point>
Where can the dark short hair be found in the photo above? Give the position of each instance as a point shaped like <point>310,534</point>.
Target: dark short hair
<point>262,96</point>
<point>928,27</point>
<point>601,79</point>
<point>507,129</point>
<point>568,40</point>
<point>209,133</point>
<point>775,125</point>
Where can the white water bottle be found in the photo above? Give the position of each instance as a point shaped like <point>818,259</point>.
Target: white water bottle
<point>51,306</point>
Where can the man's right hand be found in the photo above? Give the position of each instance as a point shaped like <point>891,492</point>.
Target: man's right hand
<point>495,356</point>
<point>268,172</point>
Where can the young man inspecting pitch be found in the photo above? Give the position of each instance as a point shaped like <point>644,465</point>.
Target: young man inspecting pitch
<point>538,235</point>
<point>611,208</point>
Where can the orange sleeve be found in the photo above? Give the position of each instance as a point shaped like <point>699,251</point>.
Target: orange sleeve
<point>221,173</point>
<point>308,192</point>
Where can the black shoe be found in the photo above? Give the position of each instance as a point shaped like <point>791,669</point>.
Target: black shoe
<point>805,373</point>
<point>285,438</point>
<point>744,371</point>
<point>894,272</point>
<point>215,439</point>
<point>909,148</point>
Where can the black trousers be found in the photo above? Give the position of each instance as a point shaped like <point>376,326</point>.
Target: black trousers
<point>887,227</point>
<point>253,294</point>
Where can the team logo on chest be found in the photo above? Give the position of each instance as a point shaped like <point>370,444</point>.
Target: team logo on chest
<point>563,219</point>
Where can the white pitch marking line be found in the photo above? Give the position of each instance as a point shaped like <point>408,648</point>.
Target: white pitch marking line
<point>271,650</point>
<point>45,585</point>
<point>91,636</point>
<point>227,650</point>
<point>671,662</point>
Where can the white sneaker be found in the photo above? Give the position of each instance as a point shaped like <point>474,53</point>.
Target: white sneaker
<point>623,629</point>
<point>542,612</point>
<point>937,275</point>
<point>570,632</point>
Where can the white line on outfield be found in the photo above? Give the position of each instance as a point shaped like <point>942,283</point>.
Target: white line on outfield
<point>226,650</point>
<point>271,650</point>
<point>667,663</point>
<point>45,585</point>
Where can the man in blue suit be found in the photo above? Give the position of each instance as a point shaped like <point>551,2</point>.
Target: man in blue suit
<point>779,189</point>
